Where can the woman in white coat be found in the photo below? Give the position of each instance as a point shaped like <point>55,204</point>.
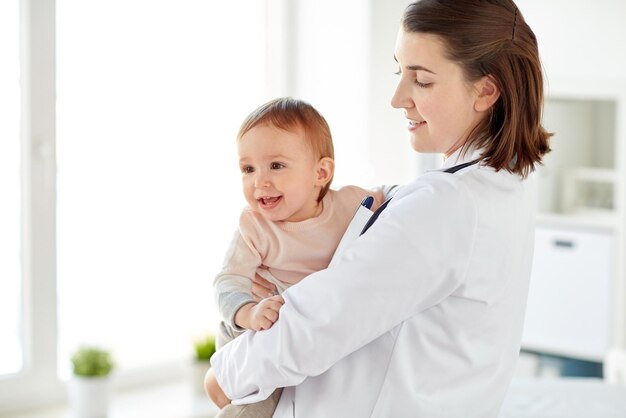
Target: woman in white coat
<point>422,315</point>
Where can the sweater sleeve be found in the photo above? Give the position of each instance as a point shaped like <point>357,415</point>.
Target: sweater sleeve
<point>232,286</point>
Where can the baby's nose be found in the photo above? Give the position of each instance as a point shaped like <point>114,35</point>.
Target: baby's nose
<point>261,180</point>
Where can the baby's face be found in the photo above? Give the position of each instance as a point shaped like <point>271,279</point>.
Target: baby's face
<point>279,174</point>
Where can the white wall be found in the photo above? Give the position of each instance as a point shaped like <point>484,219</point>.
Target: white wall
<point>343,65</point>
<point>331,72</point>
<point>394,159</point>
<point>579,40</point>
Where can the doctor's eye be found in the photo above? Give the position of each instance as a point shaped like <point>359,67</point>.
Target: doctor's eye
<point>246,169</point>
<point>276,166</point>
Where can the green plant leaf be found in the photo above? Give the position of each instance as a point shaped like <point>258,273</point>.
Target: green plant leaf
<point>205,348</point>
<point>91,362</point>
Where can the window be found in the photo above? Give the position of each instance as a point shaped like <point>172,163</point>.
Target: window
<point>150,97</point>
<point>10,269</point>
<point>117,213</point>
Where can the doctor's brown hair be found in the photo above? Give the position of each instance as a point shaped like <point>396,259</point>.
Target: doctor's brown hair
<point>289,114</point>
<point>491,38</point>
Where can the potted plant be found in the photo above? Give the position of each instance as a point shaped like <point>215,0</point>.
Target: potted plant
<point>204,349</point>
<point>89,386</point>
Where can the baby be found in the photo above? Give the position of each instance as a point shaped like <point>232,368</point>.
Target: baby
<point>293,222</point>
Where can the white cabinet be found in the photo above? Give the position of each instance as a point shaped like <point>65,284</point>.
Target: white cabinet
<point>569,302</point>
<point>577,298</point>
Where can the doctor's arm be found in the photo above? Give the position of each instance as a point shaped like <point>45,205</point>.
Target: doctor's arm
<point>404,264</point>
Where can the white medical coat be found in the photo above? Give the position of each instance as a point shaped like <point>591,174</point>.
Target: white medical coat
<point>421,317</point>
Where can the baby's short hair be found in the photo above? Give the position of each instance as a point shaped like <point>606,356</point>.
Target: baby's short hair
<point>289,114</point>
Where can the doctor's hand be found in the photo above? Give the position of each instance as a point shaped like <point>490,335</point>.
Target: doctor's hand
<point>214,390</point>
<point>262,288</point>
<point>261,315</point>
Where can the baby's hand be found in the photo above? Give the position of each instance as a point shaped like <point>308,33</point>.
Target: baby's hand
<point>259,316</point>
<point>262,288</point>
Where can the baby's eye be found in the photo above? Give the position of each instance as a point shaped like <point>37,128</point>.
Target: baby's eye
<point>276,166</point>
<point>246,169</point>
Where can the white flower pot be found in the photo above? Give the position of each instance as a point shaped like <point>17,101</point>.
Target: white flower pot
<point>89,396</point>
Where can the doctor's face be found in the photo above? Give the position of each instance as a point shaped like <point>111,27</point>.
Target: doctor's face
<point>280,174</point>
<point>432,90</point>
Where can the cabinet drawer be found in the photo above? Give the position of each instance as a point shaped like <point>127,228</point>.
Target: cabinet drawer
<point>568,309</point>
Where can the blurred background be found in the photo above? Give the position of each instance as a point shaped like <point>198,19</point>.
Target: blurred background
<point>120,190</point>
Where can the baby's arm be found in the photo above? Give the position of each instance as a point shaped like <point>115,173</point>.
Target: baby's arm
<point>239,307</point>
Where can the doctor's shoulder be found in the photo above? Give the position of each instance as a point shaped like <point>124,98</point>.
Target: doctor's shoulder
<point>439,190</point>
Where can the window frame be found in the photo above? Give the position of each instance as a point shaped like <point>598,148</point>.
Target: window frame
<point>37,382</point>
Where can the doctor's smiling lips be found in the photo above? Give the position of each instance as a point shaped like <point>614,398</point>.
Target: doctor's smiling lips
<point>415,124</point>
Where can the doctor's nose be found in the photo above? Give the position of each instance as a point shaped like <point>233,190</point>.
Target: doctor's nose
<point>401,98</point>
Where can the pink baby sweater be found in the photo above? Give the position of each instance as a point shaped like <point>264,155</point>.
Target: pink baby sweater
<point>284,252</point>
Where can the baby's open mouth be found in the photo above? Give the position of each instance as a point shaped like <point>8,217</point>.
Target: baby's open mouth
<point>269,202</point>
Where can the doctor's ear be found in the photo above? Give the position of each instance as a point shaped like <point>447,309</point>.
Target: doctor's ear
<point>325,170</point>
<point>488,93</point>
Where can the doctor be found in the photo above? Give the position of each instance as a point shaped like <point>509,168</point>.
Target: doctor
<point>422,315</point>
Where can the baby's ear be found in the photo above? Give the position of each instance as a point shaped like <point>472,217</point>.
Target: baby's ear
<point>325,170</point>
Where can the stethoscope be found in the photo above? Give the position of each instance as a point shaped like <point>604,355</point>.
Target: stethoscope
<point>369,200</point>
